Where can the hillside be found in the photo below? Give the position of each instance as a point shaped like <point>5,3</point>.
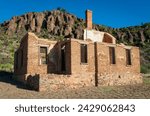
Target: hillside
<point>59,24</point>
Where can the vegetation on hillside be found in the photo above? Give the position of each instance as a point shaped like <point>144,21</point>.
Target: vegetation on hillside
<point>58,25</point>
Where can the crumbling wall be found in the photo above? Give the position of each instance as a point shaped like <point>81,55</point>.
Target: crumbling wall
<point>42,82</point>
<point>20,67</point>
<point>40,77</point>
<point>119,73</point>
<point>113,79</point>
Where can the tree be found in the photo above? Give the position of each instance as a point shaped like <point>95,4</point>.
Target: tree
<point>61,9</point>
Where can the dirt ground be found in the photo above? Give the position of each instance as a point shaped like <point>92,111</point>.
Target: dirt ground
<point>10,89</point>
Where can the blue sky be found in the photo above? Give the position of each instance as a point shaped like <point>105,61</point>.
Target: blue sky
<point>114,13</point>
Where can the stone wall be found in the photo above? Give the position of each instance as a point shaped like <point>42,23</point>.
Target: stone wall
<point>43,82</point>
<point>114,79</point>
<point>54,81</point>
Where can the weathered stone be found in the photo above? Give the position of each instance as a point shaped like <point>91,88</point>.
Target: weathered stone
<point>50,23</point>
<point>39,18</point>
<point>67,30</point>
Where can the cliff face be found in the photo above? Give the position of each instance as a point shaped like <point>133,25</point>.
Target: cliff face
<point>59,24</point>
<point>56,23</point>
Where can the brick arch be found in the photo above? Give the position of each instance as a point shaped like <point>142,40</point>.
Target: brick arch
<point>107,38</point>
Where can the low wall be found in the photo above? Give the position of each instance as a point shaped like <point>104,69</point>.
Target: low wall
<point>65,81</point>
<point>43,82</point>
<point>113,79</point>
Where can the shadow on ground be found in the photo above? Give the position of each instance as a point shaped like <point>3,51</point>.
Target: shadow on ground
<point>7,77</point>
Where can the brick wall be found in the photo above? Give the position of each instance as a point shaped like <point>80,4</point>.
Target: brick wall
<point>20,67</point>
<point>89,19</point>
<point>119,73</point>
<point>108,74</point>
<point>77,73</point>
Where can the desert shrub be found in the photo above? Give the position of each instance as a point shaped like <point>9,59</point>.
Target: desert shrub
<point>44,33</point>
<point>61,9</point>
<point>145,68</point>
<point>6,67</point>
<point>146,80</point>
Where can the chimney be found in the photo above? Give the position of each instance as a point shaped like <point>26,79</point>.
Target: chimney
<point>89,19</point>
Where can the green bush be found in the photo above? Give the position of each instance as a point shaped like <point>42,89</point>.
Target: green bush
<point>6,67</point>
<point>145,68</point>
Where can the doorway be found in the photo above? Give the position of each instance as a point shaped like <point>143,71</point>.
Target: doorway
<point>63,59</point>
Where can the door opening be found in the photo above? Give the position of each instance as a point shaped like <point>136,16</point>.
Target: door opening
<point>63,59</point>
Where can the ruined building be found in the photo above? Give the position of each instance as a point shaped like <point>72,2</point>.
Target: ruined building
<point>96,60</point>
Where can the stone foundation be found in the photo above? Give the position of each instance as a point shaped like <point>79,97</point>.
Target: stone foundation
<point>119,79</point>
<point>54,81</point>
<point>45,82</point>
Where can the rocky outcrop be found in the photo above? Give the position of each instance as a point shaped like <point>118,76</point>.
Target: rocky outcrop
<point>55,23</point>
<point>64,24</point>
